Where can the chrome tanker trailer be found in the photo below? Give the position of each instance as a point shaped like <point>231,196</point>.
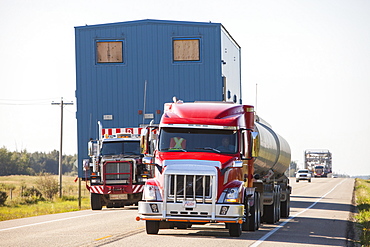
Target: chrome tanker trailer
<point>270,164</point>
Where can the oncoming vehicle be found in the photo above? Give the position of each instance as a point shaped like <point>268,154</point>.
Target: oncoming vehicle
<point>215,162</point>
<point>319,171</point>
<point>303,174</point>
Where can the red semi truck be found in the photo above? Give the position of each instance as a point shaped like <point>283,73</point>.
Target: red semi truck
<point>116,172</point>
<point>215,162</point>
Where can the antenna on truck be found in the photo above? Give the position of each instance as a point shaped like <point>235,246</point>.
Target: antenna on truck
<point>255,106</point>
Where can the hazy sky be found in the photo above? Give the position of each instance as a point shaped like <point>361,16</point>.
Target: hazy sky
<point>309,58</point>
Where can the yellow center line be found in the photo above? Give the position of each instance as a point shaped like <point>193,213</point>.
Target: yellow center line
<point>109,236</point>
<point>103,238</point>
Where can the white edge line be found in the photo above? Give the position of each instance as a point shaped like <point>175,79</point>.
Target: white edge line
<point>50,221</point>
<point>263,238</point>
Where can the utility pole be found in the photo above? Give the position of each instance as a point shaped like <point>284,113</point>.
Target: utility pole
<point>61,142</point>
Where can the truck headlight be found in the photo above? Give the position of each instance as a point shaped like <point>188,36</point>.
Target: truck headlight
<point>95,180</point>
<point>151,193</point>
<point>232,195</point>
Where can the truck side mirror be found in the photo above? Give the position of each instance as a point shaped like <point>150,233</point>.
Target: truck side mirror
<point>244,145</point>
<point>144,140</point>
<point>148,141</point>
<point>249,145</point>
<point>255,144</point>
<point>92,148</point>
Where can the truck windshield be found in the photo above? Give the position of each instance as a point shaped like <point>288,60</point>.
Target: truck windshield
<point>198,140</point>
<point>121,147</point>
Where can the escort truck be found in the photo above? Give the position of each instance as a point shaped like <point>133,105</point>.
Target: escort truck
<point>115,169</point>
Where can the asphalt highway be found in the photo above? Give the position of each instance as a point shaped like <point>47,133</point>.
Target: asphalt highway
<point>320,216</point>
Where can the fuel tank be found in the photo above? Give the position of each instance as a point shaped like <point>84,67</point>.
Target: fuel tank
<point>273,152</point>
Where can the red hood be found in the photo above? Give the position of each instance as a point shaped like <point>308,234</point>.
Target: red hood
<point>224,159</point>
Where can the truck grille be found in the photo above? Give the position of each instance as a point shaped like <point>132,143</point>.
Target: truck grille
<point>190,187</point>
<point>118,172</point>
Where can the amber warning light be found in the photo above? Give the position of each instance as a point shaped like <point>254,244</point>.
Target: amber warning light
<point>124,135</point>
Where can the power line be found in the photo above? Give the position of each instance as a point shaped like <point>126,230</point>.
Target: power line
<point>25,102</point>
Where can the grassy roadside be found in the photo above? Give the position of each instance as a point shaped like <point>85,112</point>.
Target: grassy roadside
<point>17,205</point>
<point>42,208</point>
<point>362,191</point>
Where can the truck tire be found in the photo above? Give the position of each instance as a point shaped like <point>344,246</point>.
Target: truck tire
<point>96,201</point>
<point>285,207</point>
<point>278,204</point>
<point>254,220</point>
<point>152,227</point>
<point>235,229</point>
<point>271,213</point>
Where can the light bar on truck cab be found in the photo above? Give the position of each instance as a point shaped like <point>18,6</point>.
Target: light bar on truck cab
<point>199,126</point>
<point>121,133</point>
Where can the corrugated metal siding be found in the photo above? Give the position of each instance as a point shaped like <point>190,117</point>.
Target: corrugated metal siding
<point>118,90</point>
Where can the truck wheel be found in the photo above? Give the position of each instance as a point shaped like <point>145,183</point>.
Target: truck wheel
<point>270,212</point>
<point>278,205</point>
<point>96,202</point>
<point>152,227</point>
<point>254,220</point>
<point>235,229</point>
<point>285,207</point>
<point>259,213</point>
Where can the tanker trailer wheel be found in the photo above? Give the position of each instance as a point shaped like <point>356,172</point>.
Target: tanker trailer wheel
<point>96,201</point>
<point>235,229</point>
<point>278,203</point>
<point>269,212</point>
<point>152,227</point>
<point>285,207</point>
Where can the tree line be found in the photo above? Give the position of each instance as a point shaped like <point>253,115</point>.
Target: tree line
<point>25,163</point>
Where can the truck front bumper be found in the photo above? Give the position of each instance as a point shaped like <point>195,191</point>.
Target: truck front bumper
<point>199,213</point>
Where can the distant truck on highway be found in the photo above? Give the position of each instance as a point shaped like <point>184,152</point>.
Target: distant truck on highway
<point>319,162</point>
<point>214,163</point>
